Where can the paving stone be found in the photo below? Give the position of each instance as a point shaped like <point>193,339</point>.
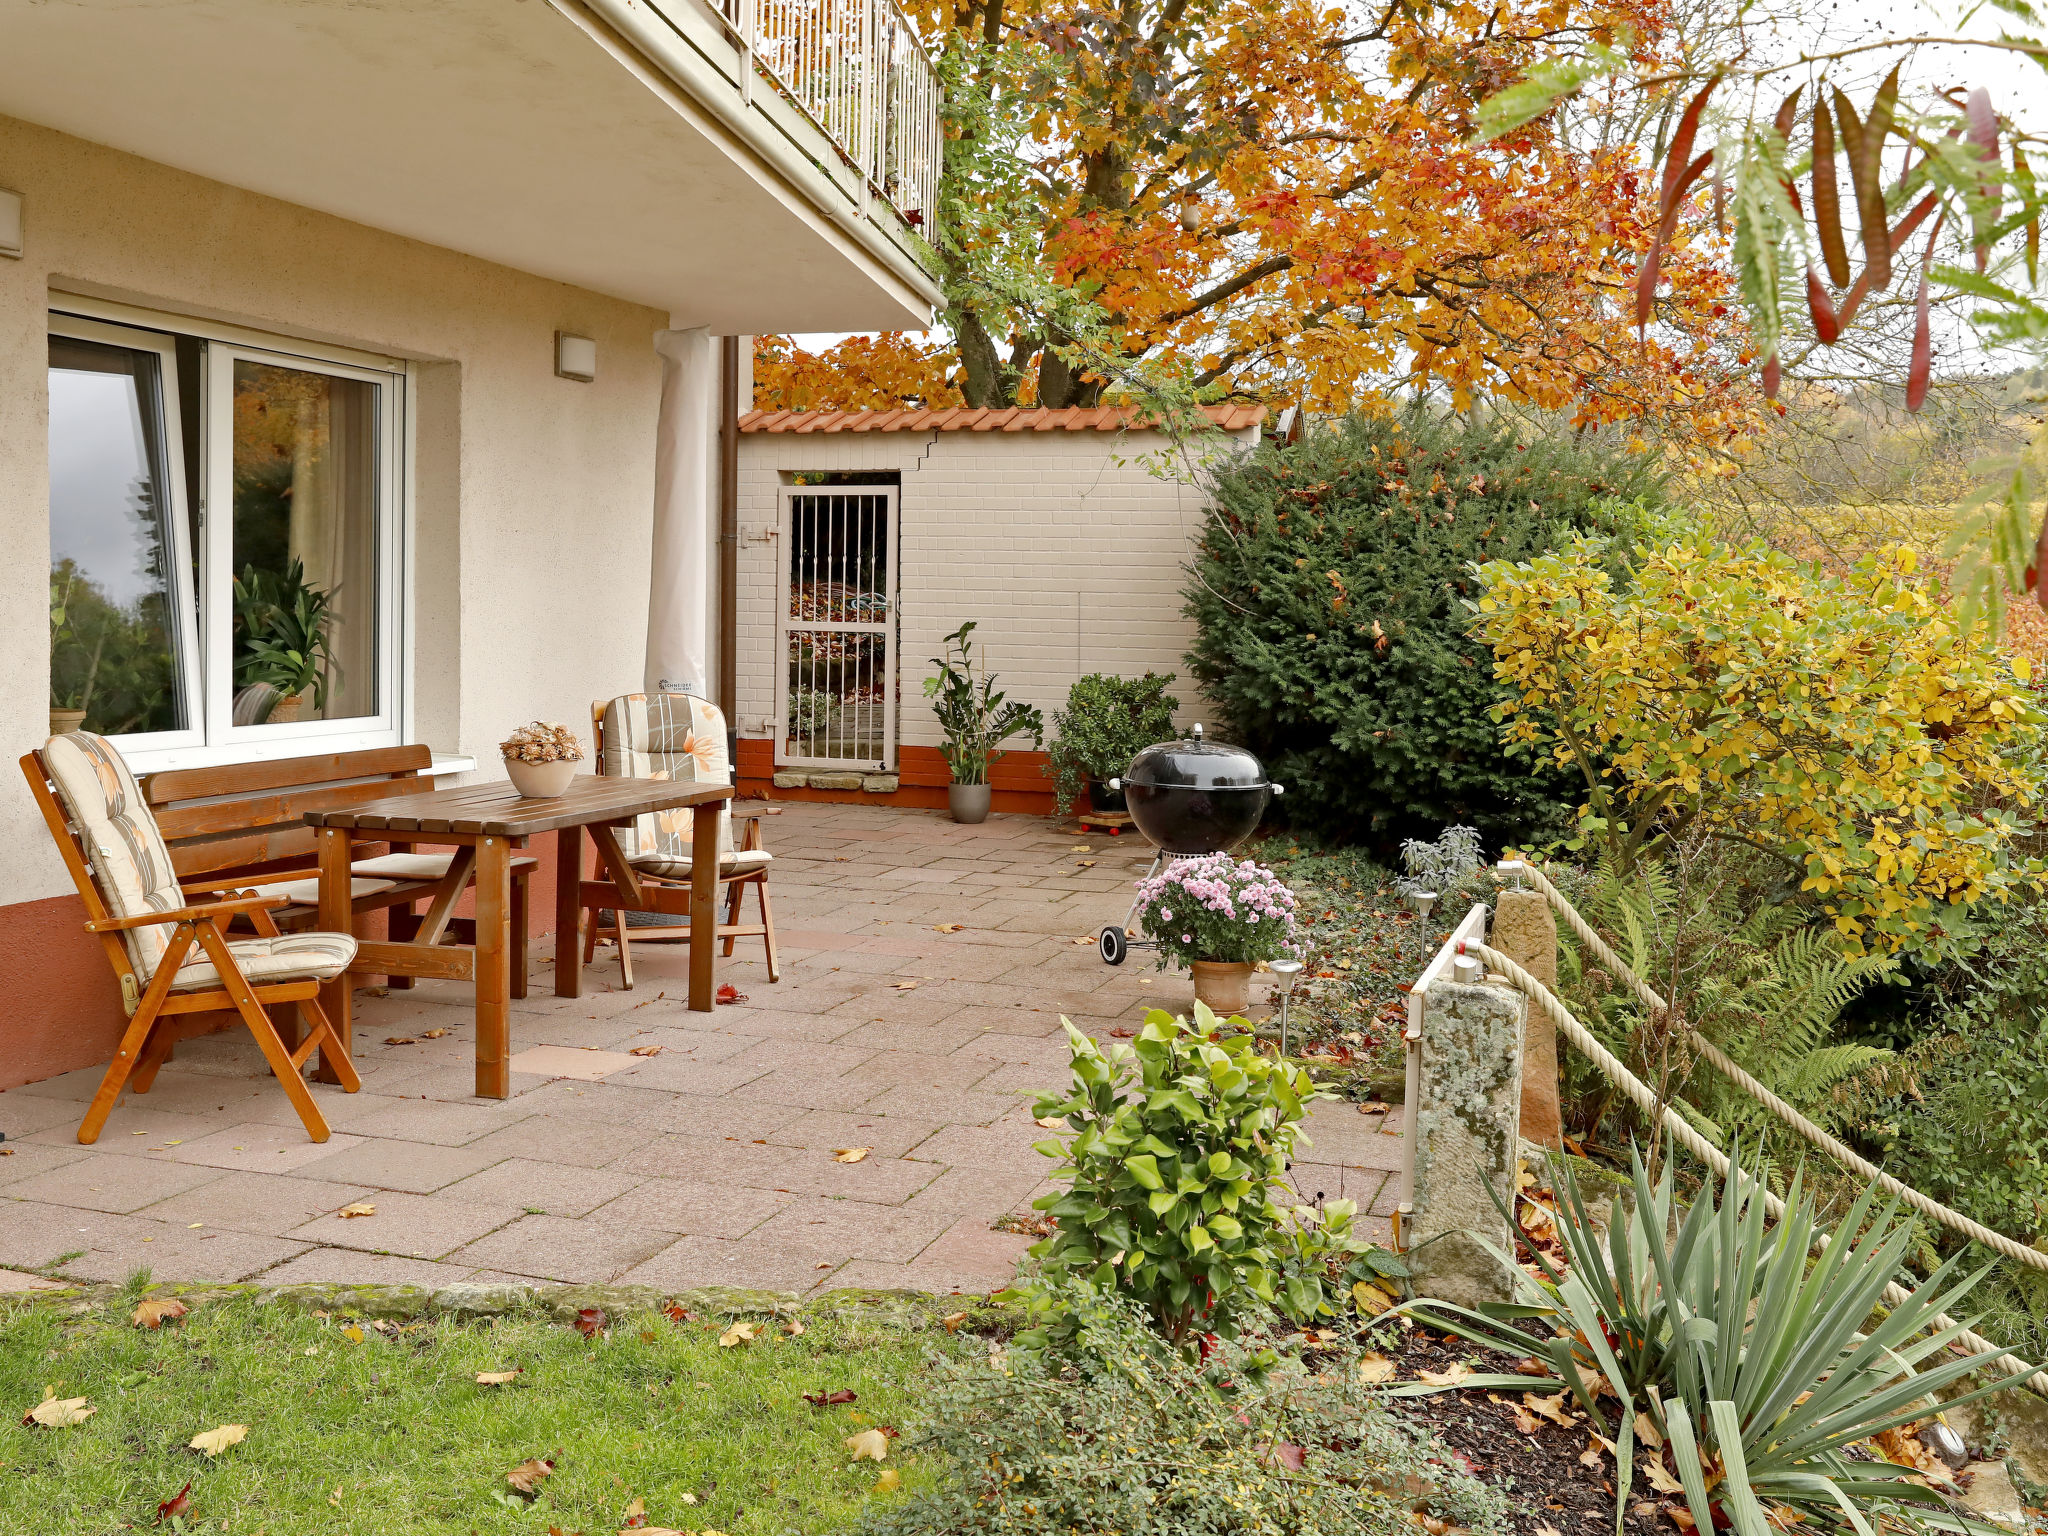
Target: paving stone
<point>728,1159</point>
<point>889,1135</point>
<point>573,1143</point>
<point>692,1207</point>
<point>110,1183</point>
<point>409,1166</point>
<point>585,1064</point>
<point>695,1261</point>
<point>158,1129</point>
<point>267,1204</point>
<point>443,1124</point>
<point>23,1114</point>
<point>345,1266</point>
<point>413,1226</point>
<point>553,1248</point>
<point>807,1090</point>
<point>15,1280</point>
<point>686,1074</point>
<point>896,1236</point>
<point>24,1160</point>
<point>172,1251</point>
<point>556,1189</point>
<point>984,1192</point>
<point>34,1235</point>
<point>259,1148</point>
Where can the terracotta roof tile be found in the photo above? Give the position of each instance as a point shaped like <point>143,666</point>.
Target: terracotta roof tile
<point>1104,418</point>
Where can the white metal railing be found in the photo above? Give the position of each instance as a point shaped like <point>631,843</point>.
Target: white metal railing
<point>858,71</point>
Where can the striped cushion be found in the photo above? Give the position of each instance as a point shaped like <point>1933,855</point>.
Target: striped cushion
<point>421,866</point>
<point>130,864</point>
<point>288,957</point>
<point>667,736</point>
<point>744,863</point>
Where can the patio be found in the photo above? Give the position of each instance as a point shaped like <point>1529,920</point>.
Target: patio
<point>645,1145</point>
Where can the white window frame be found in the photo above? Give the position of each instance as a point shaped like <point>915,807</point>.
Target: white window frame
<point>216,740</point>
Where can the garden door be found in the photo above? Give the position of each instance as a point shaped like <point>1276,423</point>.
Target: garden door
<point>835,691</point>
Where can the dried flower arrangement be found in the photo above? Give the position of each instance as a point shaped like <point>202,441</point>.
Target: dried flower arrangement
<point>542,741</point>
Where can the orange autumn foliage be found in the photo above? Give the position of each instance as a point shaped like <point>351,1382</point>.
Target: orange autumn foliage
<point>861,373</point>
<point>1286,200</point>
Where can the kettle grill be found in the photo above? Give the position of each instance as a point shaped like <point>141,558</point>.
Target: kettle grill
<point>1190,797</point>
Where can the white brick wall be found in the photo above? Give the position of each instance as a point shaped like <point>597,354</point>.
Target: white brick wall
<point>1065,546</point>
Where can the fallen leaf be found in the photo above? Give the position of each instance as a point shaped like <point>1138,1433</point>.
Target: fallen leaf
<point>526,1477</point>
<point>889,1481</point>
<point>1050,1123</point>
<point>1546,1530</point>
<point>647,1050</point>
<point>676,1312</point>
<point>1529,1365</point>
<point>948,927</point>
<point>728,993</point>
<point>179,1503</point>
<point>1375,1367</point>
<point>400,1040</point>
<point>497,1378</point>
<point>59,1412</point>
<point>904,986</point>
<point>1680,1517</point>
<point>1080,848</point>
<point>432,1034</point>
<point>1283,1454</point>
<point>1086,938</point>
<point>850,1154</point>
<point>1450,1378</point>
<point>738,1333</point>
<point>1552,1408</point>
<point>590,1322</point>
<point>1372,1301</point>
<point>1121,1034</point>
<point>153,1312</point>
<point>869,1445</point>
<point>360,1208</point>
<point>953,1320</point>
<point>1662,1481</point>
<point>635,1516</point>
<point>835,1399</point>
<point>1525,1421</point>
<point>1595,1444</point>
<point>1646,1433</point>
<point>214,1441</point>
<point>334,1498</point>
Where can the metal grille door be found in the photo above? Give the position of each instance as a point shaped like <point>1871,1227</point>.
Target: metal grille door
<point>836,688</point>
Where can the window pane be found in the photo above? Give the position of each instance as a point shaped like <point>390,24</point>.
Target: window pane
<point>305,556</point>
<point>114,597</point>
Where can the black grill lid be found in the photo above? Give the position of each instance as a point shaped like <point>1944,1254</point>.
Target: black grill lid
<point>1195,764</point>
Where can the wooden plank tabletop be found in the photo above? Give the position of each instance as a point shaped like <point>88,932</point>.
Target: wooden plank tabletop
<point>496,810</point>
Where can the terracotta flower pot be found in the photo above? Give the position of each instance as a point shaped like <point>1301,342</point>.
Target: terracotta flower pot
<point>64,721</point>
<point>968,802</point>
<point>1225,985</point>
<point>285,709</point>
<point>540,781</point>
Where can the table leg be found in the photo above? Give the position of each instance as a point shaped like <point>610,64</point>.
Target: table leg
<point>337,915</point>
<point>703,903</point>
<point>493,974</point>
<point>569,912</point>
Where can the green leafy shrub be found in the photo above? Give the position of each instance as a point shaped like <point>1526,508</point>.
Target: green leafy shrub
<point>1758,1367</point>
<point>976,718</point>
<point>1176,1171</point>
<point>1329,591</point>
<point>1126,1435</point>
<point>1107,722</point>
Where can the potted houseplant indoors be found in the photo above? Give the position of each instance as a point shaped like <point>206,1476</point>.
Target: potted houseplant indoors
<point>67,696</point>
<point>1108,721</point>
<point>284,622</point>
<point>977,720</point>
<point>541,759</point>
<point>1221,917</point>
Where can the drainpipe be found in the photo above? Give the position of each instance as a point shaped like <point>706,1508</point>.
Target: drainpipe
<point>729,540</point>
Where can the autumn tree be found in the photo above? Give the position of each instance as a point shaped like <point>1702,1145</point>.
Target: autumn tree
<point>1288,200</point>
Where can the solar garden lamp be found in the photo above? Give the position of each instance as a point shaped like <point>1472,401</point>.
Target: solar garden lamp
<point>1287,970</point>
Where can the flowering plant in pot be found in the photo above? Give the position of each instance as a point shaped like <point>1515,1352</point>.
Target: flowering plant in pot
<point>1108,721</point>
<point>1220,917</point>
<point>977,720</point>
<point>541,758</point>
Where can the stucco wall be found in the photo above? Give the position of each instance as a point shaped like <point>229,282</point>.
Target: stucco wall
<point>1064,546</point>
<point>534,493</point>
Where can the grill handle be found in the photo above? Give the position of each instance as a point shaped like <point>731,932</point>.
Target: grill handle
<point>1116,783</point>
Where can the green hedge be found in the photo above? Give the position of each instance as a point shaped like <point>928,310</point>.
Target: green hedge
<point>1329,589</point>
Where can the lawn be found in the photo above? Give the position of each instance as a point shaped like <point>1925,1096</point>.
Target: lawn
<point>357,1427</point>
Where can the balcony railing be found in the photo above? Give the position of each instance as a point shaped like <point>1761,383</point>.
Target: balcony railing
<point>856,69</point>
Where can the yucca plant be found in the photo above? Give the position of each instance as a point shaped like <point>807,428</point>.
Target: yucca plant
<point>1757,1365</point>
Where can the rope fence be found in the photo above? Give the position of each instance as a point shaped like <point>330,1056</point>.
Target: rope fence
<point>1685,1134</point>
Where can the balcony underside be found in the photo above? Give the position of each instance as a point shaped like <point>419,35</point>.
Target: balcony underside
<point>506,129</point>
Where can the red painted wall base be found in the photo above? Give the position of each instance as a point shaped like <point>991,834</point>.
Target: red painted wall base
<point>1021,781</point>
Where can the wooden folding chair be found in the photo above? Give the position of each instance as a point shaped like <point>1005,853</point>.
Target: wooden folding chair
<point>679,736</point>
<point>118,861</point>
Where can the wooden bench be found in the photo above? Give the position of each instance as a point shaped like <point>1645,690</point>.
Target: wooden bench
<point>241,826</point>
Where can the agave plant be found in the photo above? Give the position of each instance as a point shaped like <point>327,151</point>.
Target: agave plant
<point>1756,1366</point>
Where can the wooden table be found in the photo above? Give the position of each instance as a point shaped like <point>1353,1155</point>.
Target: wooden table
<point>484,823</point>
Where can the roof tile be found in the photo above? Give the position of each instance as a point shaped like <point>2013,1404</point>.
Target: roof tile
<point>1234,417</point>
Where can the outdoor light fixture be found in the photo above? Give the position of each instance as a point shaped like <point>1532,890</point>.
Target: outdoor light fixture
<point>10,223</point>
<point>1286,970</point>
<point>1421,903</point>
<point>575,357</point>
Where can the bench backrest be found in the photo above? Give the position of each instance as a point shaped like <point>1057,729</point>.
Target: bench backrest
<point>243,815</point>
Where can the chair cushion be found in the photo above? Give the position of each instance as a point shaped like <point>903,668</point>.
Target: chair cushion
<point>420,866</point>
<point>130,864</point>
<point>743,863</point>
<point>265,961</point>
<point>667,736</point>
<point>306,892</point>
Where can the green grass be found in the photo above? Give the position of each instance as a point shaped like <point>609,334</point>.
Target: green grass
<point>397,1426</point>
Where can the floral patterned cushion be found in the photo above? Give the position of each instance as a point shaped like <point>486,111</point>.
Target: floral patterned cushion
<point>130,864</point>
<point>667,736</point>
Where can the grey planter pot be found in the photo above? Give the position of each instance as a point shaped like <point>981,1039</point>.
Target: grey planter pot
<point>969,802</point>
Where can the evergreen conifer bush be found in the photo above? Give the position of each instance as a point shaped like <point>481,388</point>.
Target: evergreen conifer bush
<point>1330,590</point>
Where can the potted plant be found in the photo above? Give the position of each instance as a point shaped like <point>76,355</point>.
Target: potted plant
<point>541,759</point>
<point>284,622</point>
<point>1108,721</point>
<point>1221,917</point>
<point>67,698</point>
<point>977,720</point>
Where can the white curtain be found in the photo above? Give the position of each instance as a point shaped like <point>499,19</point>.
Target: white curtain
<point>679,596</point>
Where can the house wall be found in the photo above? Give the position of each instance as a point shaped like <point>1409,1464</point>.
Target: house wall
<point>533,499</point>
<point>1064,546</point>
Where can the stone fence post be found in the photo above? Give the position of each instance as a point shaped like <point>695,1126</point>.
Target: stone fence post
<point>1465,1124</point>
<point>1525,930</point>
